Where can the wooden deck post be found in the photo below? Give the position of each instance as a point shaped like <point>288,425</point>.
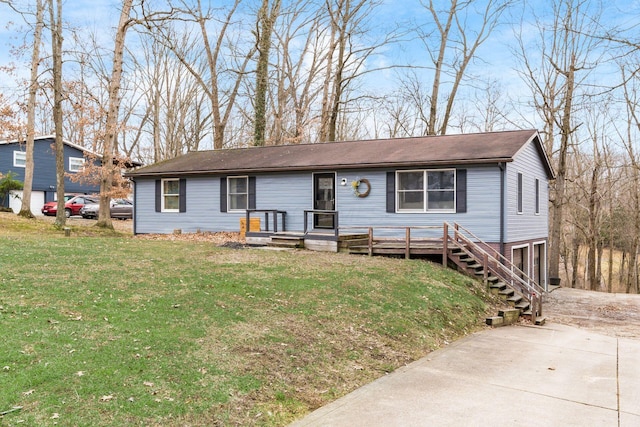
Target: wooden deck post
<point>407,248</point>
<point>370,241</point>
<point>485,268</point>
<point>445,244</point>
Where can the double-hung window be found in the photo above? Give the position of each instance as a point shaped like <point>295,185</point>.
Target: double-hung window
<point>519,194</point>
<point>237,193</point>
<point>170,195</point>
<point>426,190</point>
<point>76,164</point>
<point>537,196</point>
<point>19,159</point>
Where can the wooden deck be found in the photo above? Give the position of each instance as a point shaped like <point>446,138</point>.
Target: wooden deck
<point>358,240</point>
<point>397,247</point>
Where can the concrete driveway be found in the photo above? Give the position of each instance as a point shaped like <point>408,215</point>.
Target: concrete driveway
<point>552,375</point>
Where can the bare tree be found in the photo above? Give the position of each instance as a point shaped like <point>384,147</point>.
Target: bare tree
<point>264,29</point>
<point>344,57</point>
<point>456,46</point>
<point>222,80</point>
<point>565,51</point>
<point>25,210</point>
<point>111,126</point>
<point>55,21</point>
<point>299,38</point>
<point>633,171</point>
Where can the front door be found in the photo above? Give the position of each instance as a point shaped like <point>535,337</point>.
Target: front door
<point>324,198</point>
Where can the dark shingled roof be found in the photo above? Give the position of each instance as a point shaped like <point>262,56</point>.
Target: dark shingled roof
<point>477,148</point>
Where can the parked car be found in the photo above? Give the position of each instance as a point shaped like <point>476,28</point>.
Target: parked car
<point>71,206</point>
<point>120,208</point>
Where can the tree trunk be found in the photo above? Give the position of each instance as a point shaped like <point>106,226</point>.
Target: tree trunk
<point>632,268</point>
<point>55,14</point>
<point>338,83</point>
<point>111,126</point>
<point>326,93</point>
<point>266,20</point>
<point>439,63</point>
<point>575,257</point>
<point>599,266</point>
<point>558,203</point>
<point>593,231</point>
<point>25,210</point>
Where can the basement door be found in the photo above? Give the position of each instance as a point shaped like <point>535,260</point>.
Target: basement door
<point>324,199</point>
<point>520,258</point>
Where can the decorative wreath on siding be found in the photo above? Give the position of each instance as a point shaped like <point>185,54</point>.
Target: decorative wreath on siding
<point>356,187</point>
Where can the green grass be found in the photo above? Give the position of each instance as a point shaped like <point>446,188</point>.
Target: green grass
<point>104,329</point>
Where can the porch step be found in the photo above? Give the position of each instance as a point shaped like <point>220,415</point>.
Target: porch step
<point>540,320</point>
<point>495,321</point>
<point>496,287</point>
<point>514,300</point>
<point>286,241</point>
<point>506,293</point>
<point>510,315</point>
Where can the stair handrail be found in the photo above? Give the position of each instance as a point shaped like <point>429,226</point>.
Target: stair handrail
<point>503,267</point>
<point>500,257</point>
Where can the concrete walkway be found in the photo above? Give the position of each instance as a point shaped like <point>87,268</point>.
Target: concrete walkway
<point>552,375</point>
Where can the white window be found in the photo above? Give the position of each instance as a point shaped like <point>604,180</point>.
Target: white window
<point>19,159</point>
<point>76,164</point>
<point>170,195</point>
<point>519,193</point>
<point>237,193</point>
<point>438,195</point>
<point>537,197</point>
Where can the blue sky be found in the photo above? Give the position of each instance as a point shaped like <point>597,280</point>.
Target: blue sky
<point>100,16</point>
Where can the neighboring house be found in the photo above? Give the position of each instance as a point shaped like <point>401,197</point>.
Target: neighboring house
<point>13,157</point>
<point>493,184</point>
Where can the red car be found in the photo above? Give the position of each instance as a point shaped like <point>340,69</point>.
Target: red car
<point>71,207</point>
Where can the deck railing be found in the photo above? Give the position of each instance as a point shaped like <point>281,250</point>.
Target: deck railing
<point>313,212</point>
<point>494,261</point>
<point>408,235</point>
<point>272,214</point>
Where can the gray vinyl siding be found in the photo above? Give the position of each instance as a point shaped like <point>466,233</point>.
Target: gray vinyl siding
<point>287,192</point>
<point>528,225</point>
<point>293,193</point>
<point>482,216</point>
<point>44,159</point>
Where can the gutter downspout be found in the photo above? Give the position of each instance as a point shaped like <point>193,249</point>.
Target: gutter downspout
<point>503,167</point>
<point>135,203</point>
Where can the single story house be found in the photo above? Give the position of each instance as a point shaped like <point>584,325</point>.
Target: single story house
<point>13,158</point>
<point>494,184</point>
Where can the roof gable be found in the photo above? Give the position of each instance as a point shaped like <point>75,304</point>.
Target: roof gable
<point>53,138</point>
<point>479,148</point>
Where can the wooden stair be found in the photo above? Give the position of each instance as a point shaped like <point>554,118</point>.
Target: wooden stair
<point>286,240</point>
<point>519,305</point>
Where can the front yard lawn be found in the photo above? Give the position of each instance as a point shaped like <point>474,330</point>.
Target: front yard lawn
<point>108,329</point>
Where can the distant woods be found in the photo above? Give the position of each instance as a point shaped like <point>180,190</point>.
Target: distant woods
<point>235,73</point>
